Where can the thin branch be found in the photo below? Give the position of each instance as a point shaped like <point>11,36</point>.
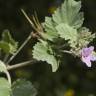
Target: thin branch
<point>29,20</point>
<point>65,51</point>
<point>38,25</point>
<point>6,58</point>
<point>22,64</point>
<point>37,20</point>
<point>69,52</point>
<point>34,23</point>
<point>21,47</point>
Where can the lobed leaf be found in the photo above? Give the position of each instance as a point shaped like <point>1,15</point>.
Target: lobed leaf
<point>5,87</point>
<point>69,13</point>
<point>67,32</point>
<point>8,44</point>
<point>42,52</point>
<point>22,87</point>
<point>50,31</point>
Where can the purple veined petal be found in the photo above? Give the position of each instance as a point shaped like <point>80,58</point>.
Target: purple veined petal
<point>87,51</point>
<point>87,61</point>
<point>87,55</point>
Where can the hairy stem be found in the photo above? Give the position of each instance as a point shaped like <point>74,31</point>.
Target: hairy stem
<point>69,52</point>
<point>21,47</point>
<point>22,64</point>
<point>6,58</point>
<point>65,51</point>
<point>29,20</point>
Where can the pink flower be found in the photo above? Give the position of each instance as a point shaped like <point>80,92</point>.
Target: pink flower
<point>87,55</point>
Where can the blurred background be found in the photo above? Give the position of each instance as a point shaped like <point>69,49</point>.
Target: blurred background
<point>72,78</point>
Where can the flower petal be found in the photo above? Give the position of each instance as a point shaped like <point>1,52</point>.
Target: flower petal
<point>93,58</point>
<point>87,61</point>
<point>87,51</point>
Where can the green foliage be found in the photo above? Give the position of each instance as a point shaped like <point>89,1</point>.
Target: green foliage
<point>67,32</point>
<point>5,88</point>
<point>69,13</point>
<point>64,24</point>
<point>44,52</point>
<point>8,44</point>
<point>6,47</point>
<point>50,30</point>
<point>63,33</point>
<point>85,37</point>
<point>22,87</point>
<point>2,67</point>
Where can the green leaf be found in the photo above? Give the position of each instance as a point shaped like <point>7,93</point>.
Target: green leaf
<point>69,13</point>
<point>8,44</point>
<point>6,36</point>
<point>50,31</point>
<point>67,32</point>
<point>7,47</point>
<point>2,67</point>
<point>44,53</point>
<point>22,87</point>
<point>5,88</point>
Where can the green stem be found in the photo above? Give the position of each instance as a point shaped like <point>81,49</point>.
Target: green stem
<point>6,58</point>
<point>8,76</point>
<point>22,64</point>
<point>69,52</point>
<point>29,20</point>
<point>21,47</point>
<point>65,51</point>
